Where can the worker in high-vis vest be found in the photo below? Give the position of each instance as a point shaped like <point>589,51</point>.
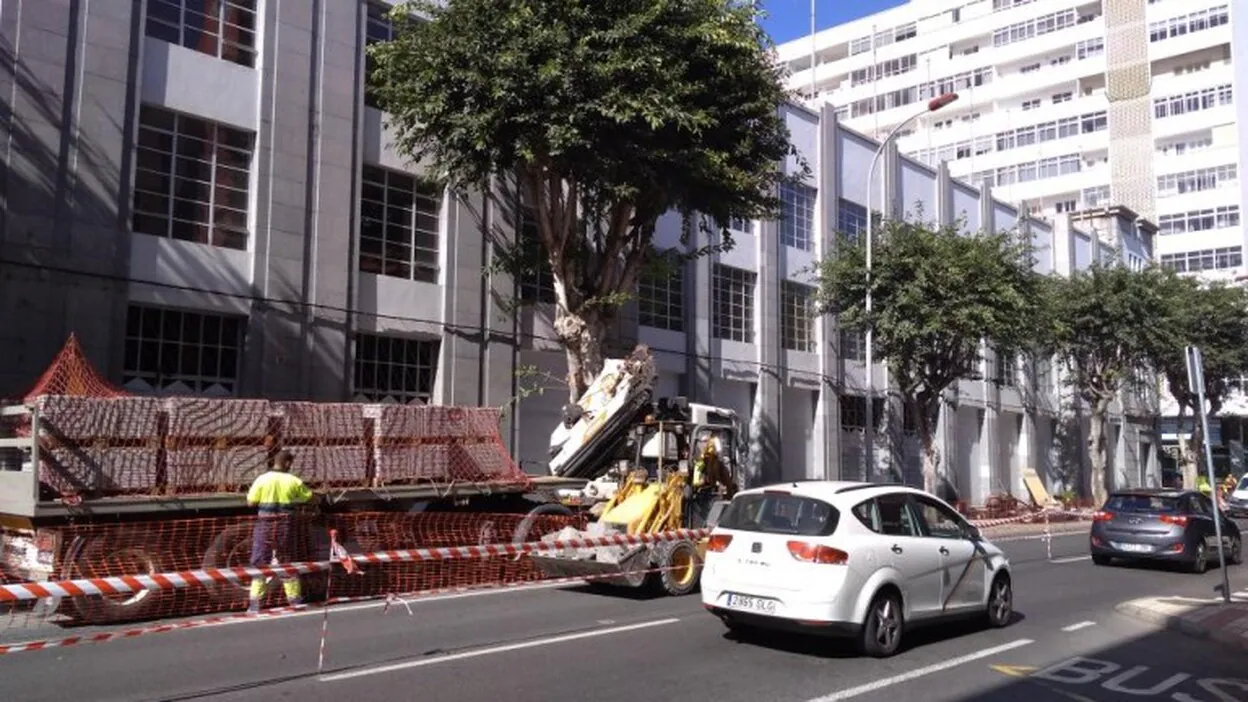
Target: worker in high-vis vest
<point>276,495</point>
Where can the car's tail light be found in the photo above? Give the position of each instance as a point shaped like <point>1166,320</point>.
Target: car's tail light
<point>1175,519</point>
<point>718,543</point>
<point>814,553</point>
<point>1102,516</point>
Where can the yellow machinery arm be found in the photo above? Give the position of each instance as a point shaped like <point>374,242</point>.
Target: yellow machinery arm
<point>647,508</point>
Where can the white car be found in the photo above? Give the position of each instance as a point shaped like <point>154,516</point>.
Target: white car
<point>860,559</point>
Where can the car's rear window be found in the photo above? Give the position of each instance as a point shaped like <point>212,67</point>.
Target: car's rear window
<point>1243,483</point>
<point>775,513</point>
<point>1142,503</point>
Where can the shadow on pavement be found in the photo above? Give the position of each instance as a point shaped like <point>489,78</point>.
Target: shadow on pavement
<point>840,647</point>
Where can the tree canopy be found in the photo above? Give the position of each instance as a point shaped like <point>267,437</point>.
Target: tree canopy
<point>937,292</point>
<point>1108,322</point>
<point>1212,316</point>
<point>607,114</point>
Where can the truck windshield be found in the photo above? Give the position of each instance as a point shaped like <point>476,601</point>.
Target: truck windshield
<point>780,514</point>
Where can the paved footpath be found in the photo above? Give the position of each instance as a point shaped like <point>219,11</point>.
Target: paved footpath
<point>1208,618</point>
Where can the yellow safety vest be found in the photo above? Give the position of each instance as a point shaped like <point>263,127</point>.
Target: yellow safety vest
<point>275,491</point>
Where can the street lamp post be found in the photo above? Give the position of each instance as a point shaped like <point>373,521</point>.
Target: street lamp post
<point>869,429</point>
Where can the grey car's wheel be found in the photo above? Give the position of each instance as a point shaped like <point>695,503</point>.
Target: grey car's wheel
<point>1000,601</point>
<point>1235,554</point>
<point>881,632</point>
<point>1200,563</point>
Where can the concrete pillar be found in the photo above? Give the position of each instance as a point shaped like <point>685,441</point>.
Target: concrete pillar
<point>765,420</point>
<point>827,430</point>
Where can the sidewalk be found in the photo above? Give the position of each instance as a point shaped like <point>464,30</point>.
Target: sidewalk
<point>1205,618</point>
<point>1009,531</point>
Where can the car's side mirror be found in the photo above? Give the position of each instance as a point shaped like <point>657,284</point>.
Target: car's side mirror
<point>972,533</point>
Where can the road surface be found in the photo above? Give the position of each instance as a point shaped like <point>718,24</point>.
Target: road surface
<point>571,644</point>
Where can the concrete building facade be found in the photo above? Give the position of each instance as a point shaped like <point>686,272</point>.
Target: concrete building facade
<point>212,205</point>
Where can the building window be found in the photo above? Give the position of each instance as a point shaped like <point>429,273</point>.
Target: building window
<point>192,179</point>
<point>1188,24</point>
<point>854,412</point>
<point>179,352</point>
<point>222,28</point>
<point>395,370</point>
<point>537,281</point>
<point>853,345</point>
<point>1204,260</point>
<point>1046,24</point>
<point>377,29</point>
<point>1199,220</point>
<point>399,216</point>
<point>1089,48</point>
<point>1194,101</point>
<point>1197,180</point>
<point>660,299</point>
<point>733,304</point>
<point>1062,97</point>
<point>796,316</point>
<point>797,218</point>
<point>1006,370</point>
<point>851,220</point>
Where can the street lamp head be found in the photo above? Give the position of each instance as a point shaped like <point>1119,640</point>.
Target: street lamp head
<point>941,101</point>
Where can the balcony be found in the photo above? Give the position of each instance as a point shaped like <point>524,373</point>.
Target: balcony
<point>1189,43</point>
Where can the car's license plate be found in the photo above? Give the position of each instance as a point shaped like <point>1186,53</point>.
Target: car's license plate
<point>1135,548</point>
<point>761,605</point>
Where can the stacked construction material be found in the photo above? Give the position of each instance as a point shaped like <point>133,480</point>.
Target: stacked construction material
<point>215,445</point>
<point>329,441</point>
<point>94,445</point>
<point>426,443</point>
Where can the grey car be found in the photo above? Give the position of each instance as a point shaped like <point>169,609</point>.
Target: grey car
<point>1161,525</point>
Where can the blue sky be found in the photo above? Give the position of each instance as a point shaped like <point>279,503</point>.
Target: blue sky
<point>790,19</point>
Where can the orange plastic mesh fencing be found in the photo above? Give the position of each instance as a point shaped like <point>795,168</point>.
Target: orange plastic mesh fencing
<point>98,447</point>
<point>100,550</point>
<point>70,373</point>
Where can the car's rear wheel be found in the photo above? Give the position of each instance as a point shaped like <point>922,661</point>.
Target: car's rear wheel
<point>1000,601</point>
<point>1099,559</point>
<point>1200,562</point>
<point>881,631</point>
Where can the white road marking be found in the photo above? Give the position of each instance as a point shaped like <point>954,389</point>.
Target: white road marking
<point>920,672</point>
<point>1072,559</point>
<point>497,649</point>
<point>1077,627</point>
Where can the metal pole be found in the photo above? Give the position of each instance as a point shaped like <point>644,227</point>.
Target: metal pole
<point>1196,381</point>
<point>814,50</point>
<point>869,425</point>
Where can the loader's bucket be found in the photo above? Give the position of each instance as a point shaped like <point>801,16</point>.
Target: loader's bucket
<point>614,565</point>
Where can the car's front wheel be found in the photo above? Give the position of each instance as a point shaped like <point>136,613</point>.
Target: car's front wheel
<point>1235,554</point>
<point>881,632</point>
<point>1000,601</point>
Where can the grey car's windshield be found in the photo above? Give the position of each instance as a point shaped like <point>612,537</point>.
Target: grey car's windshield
<point>1142,503</point>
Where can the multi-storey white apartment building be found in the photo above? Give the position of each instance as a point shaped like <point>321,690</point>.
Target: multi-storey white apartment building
<point>212,205</point>
<point>1064,105</point>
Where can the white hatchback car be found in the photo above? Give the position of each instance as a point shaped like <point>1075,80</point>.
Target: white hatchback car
<point>866,560</point>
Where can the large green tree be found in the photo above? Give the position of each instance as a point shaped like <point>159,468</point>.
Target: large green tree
<point>1212,316</point>
<point>608,115</point>
<point>1109,322</point>
<point>937,293</point>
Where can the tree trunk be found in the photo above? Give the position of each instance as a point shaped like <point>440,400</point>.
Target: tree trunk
<point>583,336</point>
<point>1097,448</point>
<point>931,453</point>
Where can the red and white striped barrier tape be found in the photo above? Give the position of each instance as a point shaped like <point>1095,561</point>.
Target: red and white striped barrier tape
<point>129,584</point>
<point>1030,516</point>
<point>105,636</point>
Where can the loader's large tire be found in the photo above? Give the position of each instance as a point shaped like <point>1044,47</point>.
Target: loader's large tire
<point>681,568</point>
<point>522,536</point>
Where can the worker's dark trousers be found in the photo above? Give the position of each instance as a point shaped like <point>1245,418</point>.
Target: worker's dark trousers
<point>274,536</point>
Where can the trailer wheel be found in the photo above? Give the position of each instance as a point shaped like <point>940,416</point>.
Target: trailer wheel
<point>229,549</point>
<point>93,557</point>
<point>681,568</point>
<point>521,534</point>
